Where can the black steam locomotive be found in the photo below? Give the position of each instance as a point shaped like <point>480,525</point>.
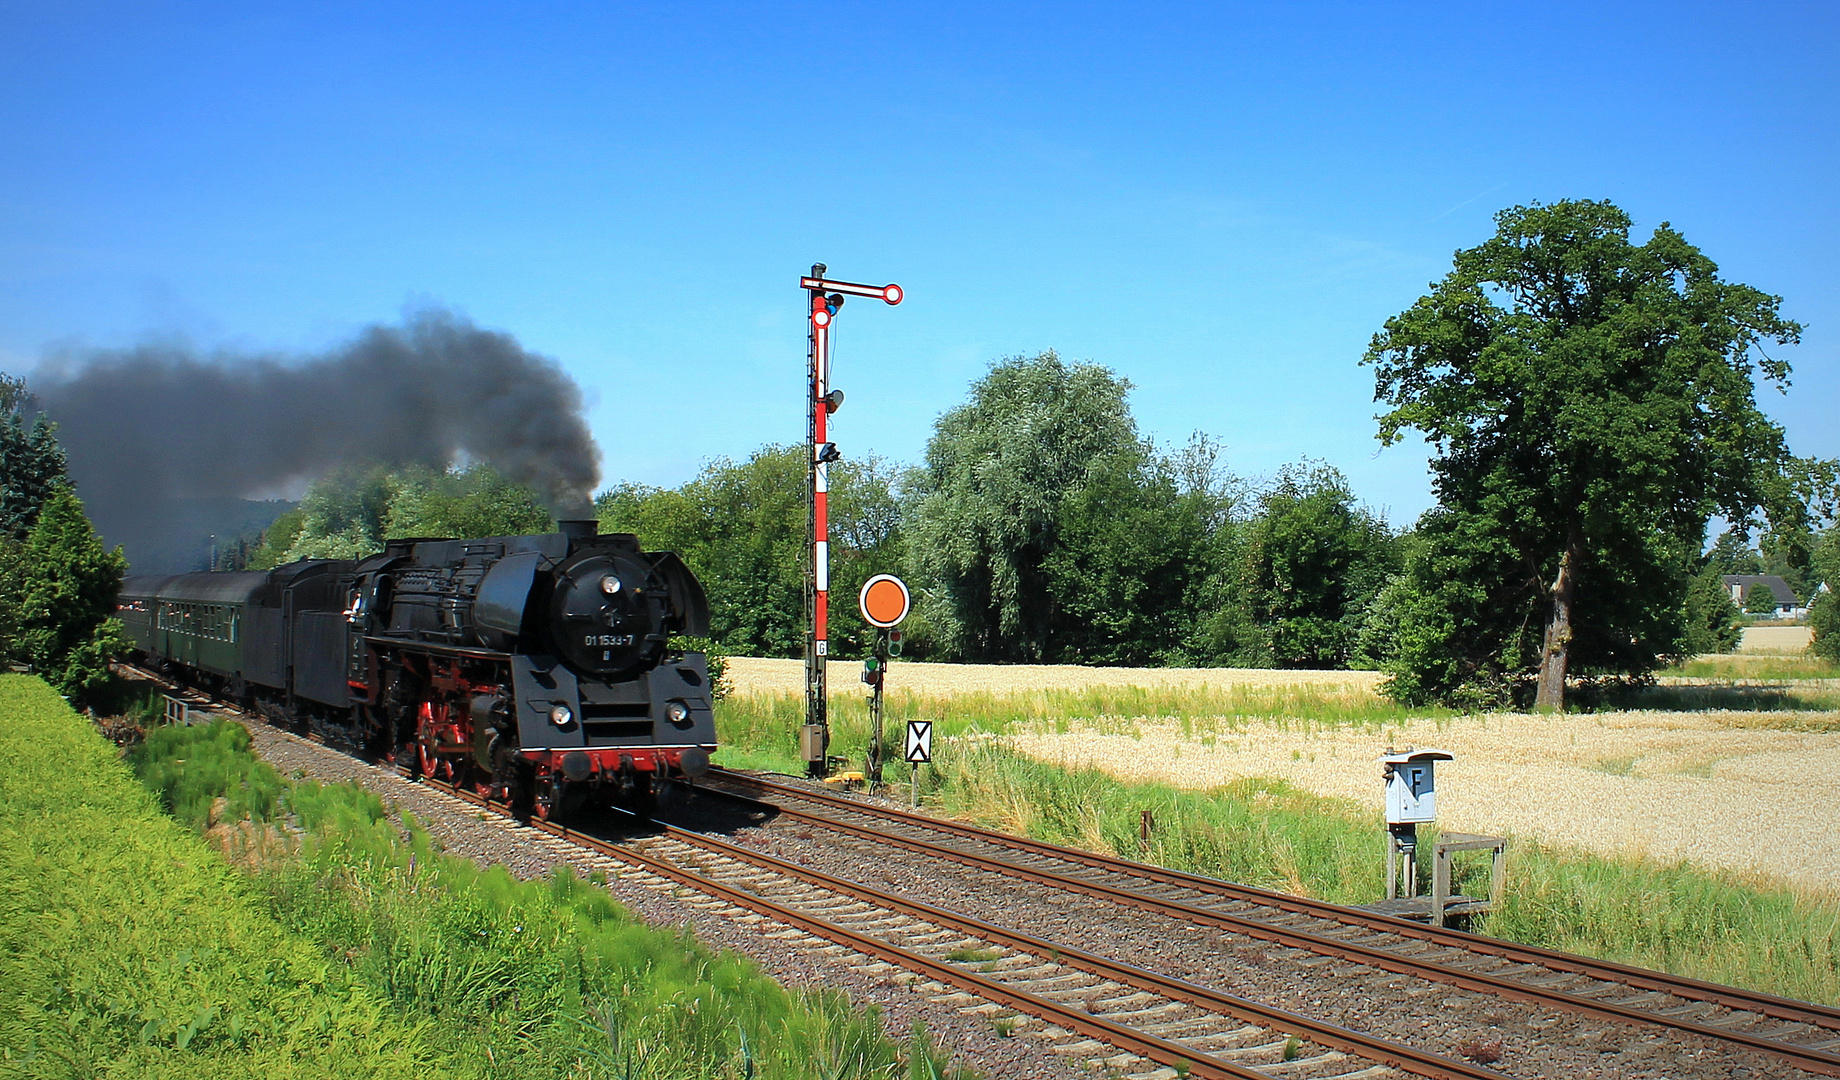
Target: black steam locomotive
<point>535,669</point>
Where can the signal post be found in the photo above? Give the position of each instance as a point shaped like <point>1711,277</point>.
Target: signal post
<point>884,601</point>
<point>824,300</point>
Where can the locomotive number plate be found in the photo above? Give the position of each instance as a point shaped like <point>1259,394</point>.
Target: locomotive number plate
<point>602,641</point>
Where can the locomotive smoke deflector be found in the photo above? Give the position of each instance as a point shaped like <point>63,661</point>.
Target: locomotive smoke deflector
<point>498,607</point>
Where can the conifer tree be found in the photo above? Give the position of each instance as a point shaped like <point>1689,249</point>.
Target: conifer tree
<point>69,585</point>
<point>32,464</point>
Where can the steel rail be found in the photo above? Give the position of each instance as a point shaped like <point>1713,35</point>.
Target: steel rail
<point>1498,986</point>
<point>1163,1051</point>
<point>1771,1005</point>
<point>1731,997</point>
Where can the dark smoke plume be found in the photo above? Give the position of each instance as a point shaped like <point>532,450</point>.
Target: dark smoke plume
<point>150,425</point>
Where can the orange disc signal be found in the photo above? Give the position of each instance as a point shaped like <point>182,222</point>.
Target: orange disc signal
<point>884,600</point>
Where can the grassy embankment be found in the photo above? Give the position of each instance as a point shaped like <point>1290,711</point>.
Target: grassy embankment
<point>131,946</point>
<point>1720,927</point>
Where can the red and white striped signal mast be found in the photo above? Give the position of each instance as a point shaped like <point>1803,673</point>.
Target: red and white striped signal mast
<point>825,300</point>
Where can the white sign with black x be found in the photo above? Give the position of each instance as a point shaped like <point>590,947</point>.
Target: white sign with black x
<point>919,741</point>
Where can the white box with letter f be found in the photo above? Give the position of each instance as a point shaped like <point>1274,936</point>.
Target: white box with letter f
<point>1411,786</point>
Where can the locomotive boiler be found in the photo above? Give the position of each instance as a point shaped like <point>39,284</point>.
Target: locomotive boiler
<point>536,669</point>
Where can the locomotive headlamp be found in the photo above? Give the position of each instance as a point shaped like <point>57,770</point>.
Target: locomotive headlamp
<point>610,584</point>
<point>560,716</point>
<point>678,712</point>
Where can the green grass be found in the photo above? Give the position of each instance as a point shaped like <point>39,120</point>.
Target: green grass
<point>1722,927</point>
<point>1260,832</point>
<point>536,977</point>
<point>130,947</point>
<point>1677,698</point>
<point>760,730</point>
<point>1754,666</point>
<point>189,768</point>
<point>1616,766</point>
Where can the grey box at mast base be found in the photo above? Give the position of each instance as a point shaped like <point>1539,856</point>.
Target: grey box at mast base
<point>812,740</point>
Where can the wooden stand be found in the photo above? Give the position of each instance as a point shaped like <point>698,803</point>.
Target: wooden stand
<point>1441,901</point>
<point>1441,905</point>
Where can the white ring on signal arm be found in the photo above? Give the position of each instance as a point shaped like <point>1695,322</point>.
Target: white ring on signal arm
<point>821,552</point>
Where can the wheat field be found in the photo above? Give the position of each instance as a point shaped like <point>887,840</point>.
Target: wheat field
<point>751,675</point>
<point>1756,793</point>
<point>1776,640</point>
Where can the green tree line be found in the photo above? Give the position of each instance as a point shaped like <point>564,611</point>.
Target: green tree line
<point>1042,527</point>
<point>1590,404</point>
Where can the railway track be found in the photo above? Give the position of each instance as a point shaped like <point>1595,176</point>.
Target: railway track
<point>1132,1020</point>
<point>1143,1023</point>
<point>1798,1033</point>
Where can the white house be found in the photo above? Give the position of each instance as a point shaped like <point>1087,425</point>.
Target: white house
<point>1742,586</point>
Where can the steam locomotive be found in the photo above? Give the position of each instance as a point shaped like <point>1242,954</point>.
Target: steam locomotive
<point>535,669</point>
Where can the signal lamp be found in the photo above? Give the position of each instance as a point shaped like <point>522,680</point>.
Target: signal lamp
<point>828,452</point>
<point>833,401</point>
<point>894,643</point>
<point>833,302</point>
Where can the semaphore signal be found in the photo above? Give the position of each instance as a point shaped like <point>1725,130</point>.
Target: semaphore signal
<point>825,300</point>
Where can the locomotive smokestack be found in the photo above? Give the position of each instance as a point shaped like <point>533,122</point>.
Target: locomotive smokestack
<point>583,529</point>
<point>151,424</point>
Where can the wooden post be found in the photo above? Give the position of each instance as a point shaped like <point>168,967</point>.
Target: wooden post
<point>1440,883</point>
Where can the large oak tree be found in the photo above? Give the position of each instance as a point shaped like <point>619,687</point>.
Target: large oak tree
<point>1590,402</point>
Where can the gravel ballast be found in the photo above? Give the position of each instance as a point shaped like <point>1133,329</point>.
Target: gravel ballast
<point>796,960</point>
<point>1533,1042</point>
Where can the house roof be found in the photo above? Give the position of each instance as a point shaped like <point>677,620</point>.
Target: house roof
<point>1777,586</point>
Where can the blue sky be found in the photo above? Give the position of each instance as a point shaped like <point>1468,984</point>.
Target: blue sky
<point>1221,203</point>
